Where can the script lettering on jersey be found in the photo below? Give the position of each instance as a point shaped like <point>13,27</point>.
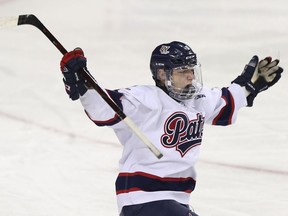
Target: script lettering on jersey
<point>182,133</point>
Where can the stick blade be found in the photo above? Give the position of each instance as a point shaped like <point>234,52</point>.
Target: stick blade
<point>6,22</point>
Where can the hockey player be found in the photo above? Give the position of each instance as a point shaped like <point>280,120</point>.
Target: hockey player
<point>171,115</point>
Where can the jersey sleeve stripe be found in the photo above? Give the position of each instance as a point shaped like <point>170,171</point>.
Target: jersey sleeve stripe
<point>108,122</point>
<point>225,115</point>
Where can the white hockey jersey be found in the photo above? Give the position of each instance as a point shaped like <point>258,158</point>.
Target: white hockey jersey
<point>176,129</point>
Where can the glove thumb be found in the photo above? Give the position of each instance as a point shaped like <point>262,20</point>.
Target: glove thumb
<point>254,61</point>
<point>251,69</point>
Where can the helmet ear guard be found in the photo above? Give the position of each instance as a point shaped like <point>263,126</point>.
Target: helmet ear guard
<point>171,56</point>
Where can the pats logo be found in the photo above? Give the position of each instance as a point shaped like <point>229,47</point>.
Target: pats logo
<point>182,133</point>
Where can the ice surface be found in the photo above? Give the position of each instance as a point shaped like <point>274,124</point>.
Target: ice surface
<point>55,162</point>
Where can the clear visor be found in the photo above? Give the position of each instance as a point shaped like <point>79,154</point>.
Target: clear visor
<point>191,79</point>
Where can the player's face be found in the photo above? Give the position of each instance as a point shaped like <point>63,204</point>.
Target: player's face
<point>182,77</point>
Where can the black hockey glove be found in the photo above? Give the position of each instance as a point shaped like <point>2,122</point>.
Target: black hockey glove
<point>71,63</point>
<point>259,76</point>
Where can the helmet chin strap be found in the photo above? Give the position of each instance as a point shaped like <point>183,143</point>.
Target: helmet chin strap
<point>161,86</point>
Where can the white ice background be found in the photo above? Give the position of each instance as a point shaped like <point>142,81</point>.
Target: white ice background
<point>55,162</point>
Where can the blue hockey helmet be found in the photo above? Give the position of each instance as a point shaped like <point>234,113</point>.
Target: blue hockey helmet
<point>171,55</point>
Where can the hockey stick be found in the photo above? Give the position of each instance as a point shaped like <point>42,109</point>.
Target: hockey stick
<point>31,19</point>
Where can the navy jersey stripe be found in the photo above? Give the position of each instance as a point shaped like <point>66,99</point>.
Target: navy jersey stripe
<point>225,115</point>
<point>139,181</point>
<point>116,97</point>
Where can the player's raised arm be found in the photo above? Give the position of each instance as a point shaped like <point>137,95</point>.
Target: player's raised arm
<point>259,76</point>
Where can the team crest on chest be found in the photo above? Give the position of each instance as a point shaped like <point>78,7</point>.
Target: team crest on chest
<point>164,49</point>
<point>182,133</point>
